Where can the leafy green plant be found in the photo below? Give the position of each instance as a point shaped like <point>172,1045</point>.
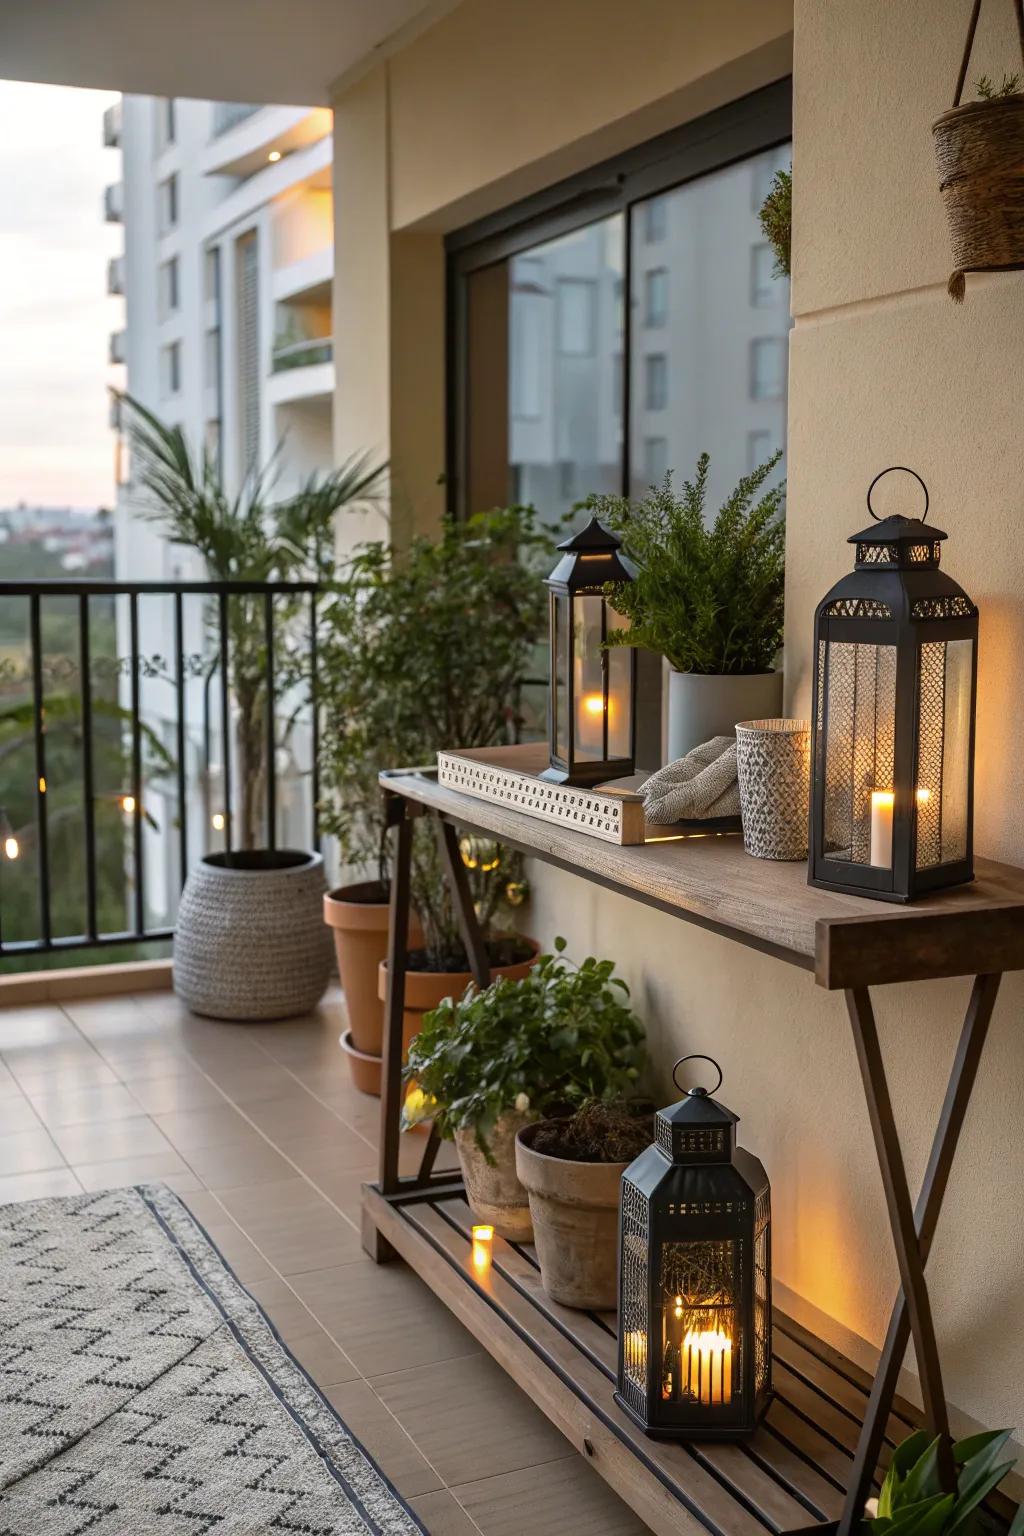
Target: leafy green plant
<point>561,1036</point>
<point>423,651</point>
<point>249,536</point>
<point>707,597</point>
<point>912,1501</point>
<point>776,217</point>
<point>989,91</point>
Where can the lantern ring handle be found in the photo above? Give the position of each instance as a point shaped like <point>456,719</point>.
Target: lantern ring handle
<point>907,471</point>
<point>690,1092</point>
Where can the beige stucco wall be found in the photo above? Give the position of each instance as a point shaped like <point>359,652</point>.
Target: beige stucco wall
<point>497,100</point>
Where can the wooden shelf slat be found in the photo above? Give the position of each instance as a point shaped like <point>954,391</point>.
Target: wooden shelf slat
<point>709,880</point>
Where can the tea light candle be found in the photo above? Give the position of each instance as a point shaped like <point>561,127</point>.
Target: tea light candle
<point>483,1237</point>
<point>707,1366</point>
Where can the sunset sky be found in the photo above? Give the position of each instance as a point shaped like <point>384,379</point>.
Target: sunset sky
<point>56,448</point>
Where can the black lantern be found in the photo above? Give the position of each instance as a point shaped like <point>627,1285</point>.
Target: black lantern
<point>695,1277</point>
<point>896,645</point>
<point>591,713</point>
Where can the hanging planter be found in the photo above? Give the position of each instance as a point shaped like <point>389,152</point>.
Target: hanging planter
<point>980,150</point>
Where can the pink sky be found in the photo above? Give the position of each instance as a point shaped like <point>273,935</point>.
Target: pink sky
<point>56,447</point>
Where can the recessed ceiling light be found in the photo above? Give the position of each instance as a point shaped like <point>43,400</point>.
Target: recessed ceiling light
<point>274,156</point>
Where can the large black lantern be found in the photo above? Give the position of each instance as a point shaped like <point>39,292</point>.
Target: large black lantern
<point>591,710</point>
<point>695,1277</point>
<point>896,646</point>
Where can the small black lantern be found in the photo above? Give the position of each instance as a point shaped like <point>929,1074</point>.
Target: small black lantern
<point>896,645</point>
<point>591,708</point>
<point>695,1277</point>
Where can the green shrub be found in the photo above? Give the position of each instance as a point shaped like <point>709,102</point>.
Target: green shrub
<point>912,1501</point>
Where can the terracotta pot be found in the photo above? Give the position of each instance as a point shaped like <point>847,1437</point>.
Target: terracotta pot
<point>425,989</point>
<point>493,1191</point>
<point>357,916</point>
<point>575,1212</point>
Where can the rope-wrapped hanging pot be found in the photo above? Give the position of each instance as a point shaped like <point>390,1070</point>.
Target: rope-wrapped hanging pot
<point>980,151</point>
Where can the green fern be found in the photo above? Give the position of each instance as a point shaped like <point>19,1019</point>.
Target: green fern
<point>988,91</point>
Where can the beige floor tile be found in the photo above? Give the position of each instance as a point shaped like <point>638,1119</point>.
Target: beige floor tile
<point>173,1095</point>
<point>293,1226</point>
<point>104,1142</point>
<point>443,1515</point>
<point>315,1351</point>
<point>103,1102</point>
<point>249,1085</point>
<point>550,1500</point>
<point>9,1086</point>
<point>242,1255</point>
<point>383,1316</point>
<point>34,1028</point>
<point>218,1126</point>
<point>28,1151</point>
<point>251,1162</point>
<point>299,1117</point>
<point>146,1168</point>
<point>60,1069</point>
<point>379,1433</point>
<point>344,1188</point>
<point>17,1114</point>
<point>157,1059</point>
<point>469,1419</point>
<point>37,1186</point>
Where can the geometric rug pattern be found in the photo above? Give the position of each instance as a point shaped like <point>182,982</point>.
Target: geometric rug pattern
<point>143,1391</point>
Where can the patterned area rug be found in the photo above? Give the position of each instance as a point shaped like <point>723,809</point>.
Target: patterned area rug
<point>144,1393</point>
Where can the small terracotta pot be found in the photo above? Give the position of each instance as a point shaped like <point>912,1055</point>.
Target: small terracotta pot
<point>575,1212</point>
<point>357,916</point>
<point>425,989</point>
<point>493,1190</point>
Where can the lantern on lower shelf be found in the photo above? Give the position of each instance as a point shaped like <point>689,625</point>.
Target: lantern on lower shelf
<point>695,1277</point>
<point>893,717</point>
<point>591,714</point>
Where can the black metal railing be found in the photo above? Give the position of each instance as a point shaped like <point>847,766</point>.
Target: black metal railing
<point>72,718</point>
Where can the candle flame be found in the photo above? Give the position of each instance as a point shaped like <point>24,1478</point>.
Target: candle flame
<point>887,797</point>
<point>593,703</point>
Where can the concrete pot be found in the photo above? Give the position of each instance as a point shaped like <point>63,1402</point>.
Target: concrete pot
<point>575,1212</point>
<point>249,943</point>
<point>357,916</point>
<point>704,705</point>
<point>494,1193</point>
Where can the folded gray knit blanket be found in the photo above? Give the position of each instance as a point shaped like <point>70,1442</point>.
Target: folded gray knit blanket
<point>696,787</point>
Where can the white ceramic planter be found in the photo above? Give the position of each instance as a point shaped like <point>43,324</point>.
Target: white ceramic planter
<point>704,705</point>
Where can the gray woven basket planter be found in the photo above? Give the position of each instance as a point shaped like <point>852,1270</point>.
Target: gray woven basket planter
<point>250,941</point>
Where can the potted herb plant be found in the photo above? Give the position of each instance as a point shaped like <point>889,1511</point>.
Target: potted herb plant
<point>490,1062</point>
<point>708,596</point>
<point>912,1498</point>
<point>572,1170</point>
<point>421,652</point>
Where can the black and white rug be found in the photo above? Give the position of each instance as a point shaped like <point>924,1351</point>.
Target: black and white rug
<point>144,1393</point>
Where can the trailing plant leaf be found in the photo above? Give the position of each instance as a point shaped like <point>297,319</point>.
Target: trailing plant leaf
<point>776,218</point>
<point>708,597</point>
<point>562,1036</point>
<point>989,91</point>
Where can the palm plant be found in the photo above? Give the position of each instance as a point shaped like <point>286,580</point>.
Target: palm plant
<point>248,537</point>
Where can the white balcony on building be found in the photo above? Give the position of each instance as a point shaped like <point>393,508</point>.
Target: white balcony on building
<point>263,136</point>
<point>112,121</point>
<point>302,370</point>
<point>116,275</point>
<point>119,346</point>
<point>113,203</point>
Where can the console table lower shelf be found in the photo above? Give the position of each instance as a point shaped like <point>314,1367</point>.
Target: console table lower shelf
<point>790,1477</point>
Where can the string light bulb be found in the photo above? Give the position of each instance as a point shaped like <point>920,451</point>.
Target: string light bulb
<point>128,804</point>
<point>274,156</point>
<point>217,821</point>
<point>10,842</point>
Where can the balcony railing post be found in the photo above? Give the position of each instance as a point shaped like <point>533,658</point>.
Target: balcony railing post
<point>179,693</point>
<point>314,705</point>
<point>139,856</point>
<point>88,800</point>
<point>39,734</point>
<point>268,629</point>
<point>225,717</point>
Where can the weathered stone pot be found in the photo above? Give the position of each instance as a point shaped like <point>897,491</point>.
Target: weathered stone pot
<point>574,1208</point>
<point>494,1192</point>
<point>702,706</point>
<point>249,941</point>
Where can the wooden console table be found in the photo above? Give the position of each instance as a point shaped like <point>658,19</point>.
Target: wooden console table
<point>830,1427</point>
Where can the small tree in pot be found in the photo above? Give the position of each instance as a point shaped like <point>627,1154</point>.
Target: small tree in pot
<point>423,650</point>
<point>490,1062</point>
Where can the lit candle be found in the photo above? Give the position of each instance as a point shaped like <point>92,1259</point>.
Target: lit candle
<point>634,1351</point>
<point>707,1366</point>
<point>881,827</point>
<point>483,1236</point>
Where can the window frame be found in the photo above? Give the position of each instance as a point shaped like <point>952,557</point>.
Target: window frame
<point>743,128</point>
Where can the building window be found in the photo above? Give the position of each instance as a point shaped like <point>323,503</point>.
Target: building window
<point>763,292</point>
<point>170,125</point>
<point>165,123</point>
<point>655,220</point>
<point>656,298</point>
<point>168,286</point>
<point>211,363</point>
<point>655,459</point>
<point>575,298</point>
<point>170,368</point>
<point>655,381</point>
<point>247,280</point>
<point>168,204</point>
<point>211,275</point>
<point>767,368</point>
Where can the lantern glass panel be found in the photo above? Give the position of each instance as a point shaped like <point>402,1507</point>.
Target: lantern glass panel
<point>620,675</point>
<point>560,604</point>
<point>589,680</point>
<point>943,751</point>
<point>700,1335</point>
<point>857,711</point>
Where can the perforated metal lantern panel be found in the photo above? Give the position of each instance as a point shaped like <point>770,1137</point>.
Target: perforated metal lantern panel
<point>695,1279</point>
<point>895,654</point>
